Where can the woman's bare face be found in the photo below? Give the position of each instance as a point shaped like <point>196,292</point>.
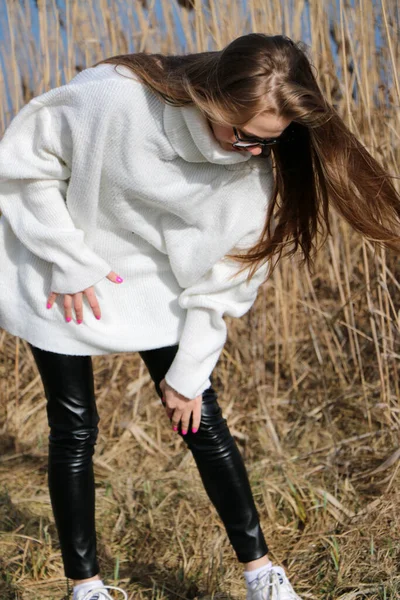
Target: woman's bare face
<point>263,126</point>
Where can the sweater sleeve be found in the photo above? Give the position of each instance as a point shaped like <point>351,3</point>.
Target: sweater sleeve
<point>33,185</point>
<point>205,331</point>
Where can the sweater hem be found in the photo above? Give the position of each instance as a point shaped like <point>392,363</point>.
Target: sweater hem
<point>61,343</point>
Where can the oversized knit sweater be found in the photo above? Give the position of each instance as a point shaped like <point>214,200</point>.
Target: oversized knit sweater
<point>100,175</point>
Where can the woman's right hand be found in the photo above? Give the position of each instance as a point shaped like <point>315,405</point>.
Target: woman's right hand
<point>75,300</point>
<point>181,410</point>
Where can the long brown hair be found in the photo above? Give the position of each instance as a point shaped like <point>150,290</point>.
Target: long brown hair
<point>324,161</point>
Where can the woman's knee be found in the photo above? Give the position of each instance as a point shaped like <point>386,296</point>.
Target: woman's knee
<point>73,446</point>
<point>81,436</point>
<point>69,412</point>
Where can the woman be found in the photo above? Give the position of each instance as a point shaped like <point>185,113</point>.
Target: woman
<point>148,189</point>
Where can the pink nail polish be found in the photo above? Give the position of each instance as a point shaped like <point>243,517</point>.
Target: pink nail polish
<point>175,428</point>
<point>194,430</point>
<point>68,319</point>
<point>79,321</point>
<point>119,279</point>
<point>48,305</point>
<point>97,317</point>
<point>184,432</point>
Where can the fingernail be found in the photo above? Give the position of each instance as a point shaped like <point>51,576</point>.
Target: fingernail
<point>97,317</point>
<point>184,432</point>
<point>175,428</point>
<point>68,319</point>
<point>119,279</point>
<point>48,305</point>
<point>79,321</point>
<point>194,430</point>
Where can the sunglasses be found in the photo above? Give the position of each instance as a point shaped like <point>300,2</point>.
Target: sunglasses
<point>250,142</point>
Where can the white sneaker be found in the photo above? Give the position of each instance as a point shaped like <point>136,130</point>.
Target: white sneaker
<point>273,585</point>
<point>98,593</point>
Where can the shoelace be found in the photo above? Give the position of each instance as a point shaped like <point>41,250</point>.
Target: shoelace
<point>273,580</point>
<point>279,580</point>
<point>92,593</point>
<point>262,582</point>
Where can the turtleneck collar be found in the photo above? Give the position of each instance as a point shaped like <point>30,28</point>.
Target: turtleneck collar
<point>187,129</point>
<point>191,137</point>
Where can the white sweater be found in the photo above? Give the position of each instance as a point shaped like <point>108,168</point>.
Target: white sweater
<point>99,175</point>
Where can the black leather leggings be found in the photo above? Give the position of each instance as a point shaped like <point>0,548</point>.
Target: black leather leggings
<point>73,421</point>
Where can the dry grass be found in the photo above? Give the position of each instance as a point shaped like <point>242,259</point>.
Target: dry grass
<point>308,379</point>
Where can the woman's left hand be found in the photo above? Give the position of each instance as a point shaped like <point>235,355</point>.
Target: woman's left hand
<point>180,409</point>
